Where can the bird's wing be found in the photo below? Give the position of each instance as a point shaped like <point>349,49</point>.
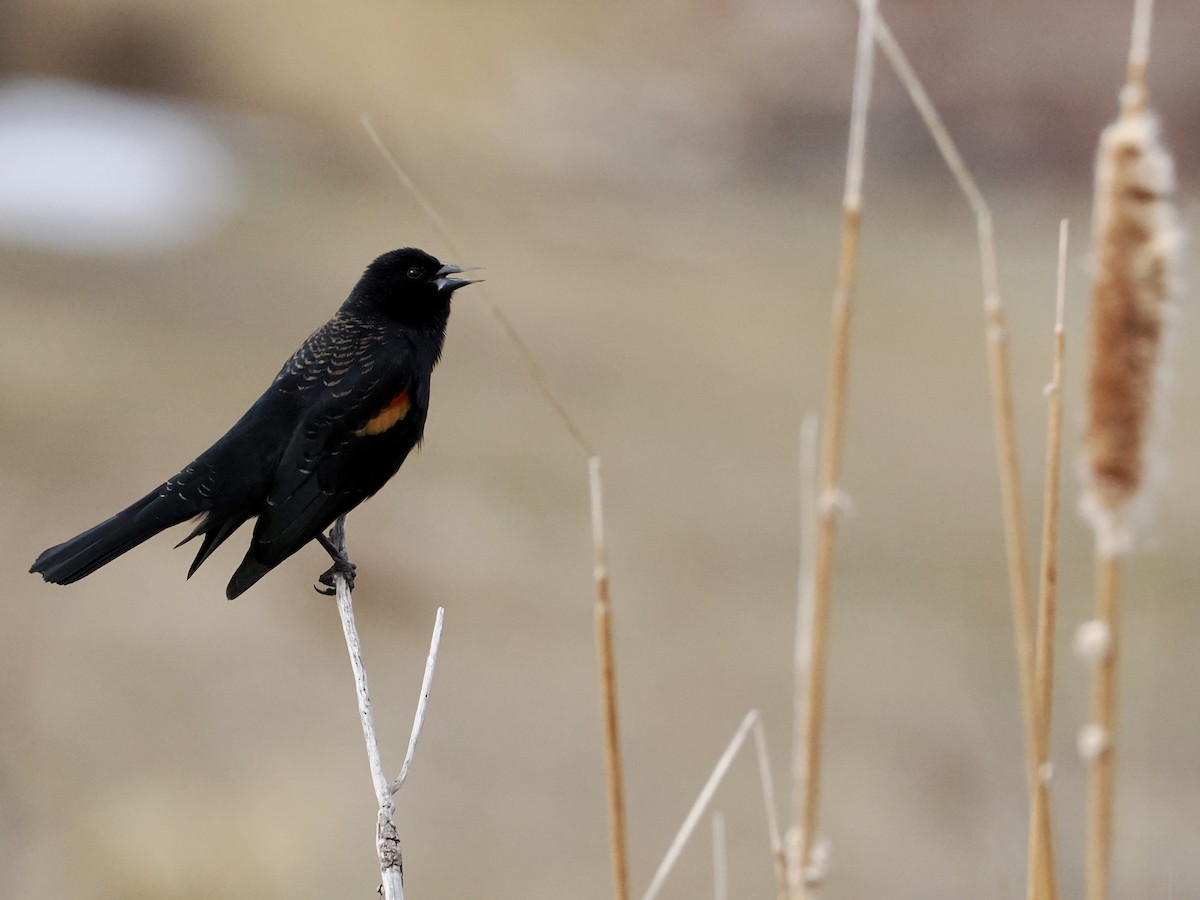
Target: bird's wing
<point>328,466</point>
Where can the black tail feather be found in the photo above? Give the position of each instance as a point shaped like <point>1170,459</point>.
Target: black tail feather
<point>247,574</point>
<point>215,531</point>
<point>85,553</point>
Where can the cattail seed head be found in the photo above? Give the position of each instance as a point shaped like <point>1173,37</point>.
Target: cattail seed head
<point>1135,237</point>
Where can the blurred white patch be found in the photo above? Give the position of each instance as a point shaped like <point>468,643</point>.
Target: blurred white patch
<point>1092,641</point>
<point>1091,742</point>
<point>88,170</point>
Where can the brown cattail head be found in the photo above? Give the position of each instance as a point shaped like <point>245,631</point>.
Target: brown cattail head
<point>1134,240</point>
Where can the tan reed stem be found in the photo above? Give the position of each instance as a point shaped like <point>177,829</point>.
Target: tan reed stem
<point>1000,376</point>
<point>827,516</point>
<point>1042,881</point>
<point>608,691</point>
<point>1000,379</point>
<point>831,444</point>
<point>1104,718</point>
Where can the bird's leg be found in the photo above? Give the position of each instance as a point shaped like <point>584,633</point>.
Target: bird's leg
<point>341,566</point>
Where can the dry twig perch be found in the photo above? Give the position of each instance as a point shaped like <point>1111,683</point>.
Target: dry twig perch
<point>387,839</point>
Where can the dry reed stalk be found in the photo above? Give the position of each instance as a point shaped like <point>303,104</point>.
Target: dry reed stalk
<point>752,722</point>
<point>1134,239</point>
<point>778,857</point>
<point>608,690</point>
<point>1042,882</point>
<point>832,438</point>
<point>724,761</point>
<point>1096,741</point>
<point>1000,377</point>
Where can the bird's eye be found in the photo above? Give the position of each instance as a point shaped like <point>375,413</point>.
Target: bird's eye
<point>414,273</point>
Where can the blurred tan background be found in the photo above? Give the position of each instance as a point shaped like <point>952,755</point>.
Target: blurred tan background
<point>186,191</point>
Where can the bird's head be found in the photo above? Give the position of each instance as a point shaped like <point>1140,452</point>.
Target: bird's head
<point>410,286</point>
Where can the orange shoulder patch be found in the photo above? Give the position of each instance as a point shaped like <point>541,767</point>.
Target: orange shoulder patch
<point>396,410</point>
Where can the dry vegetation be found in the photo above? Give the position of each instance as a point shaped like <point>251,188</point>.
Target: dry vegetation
<point>197,748</point>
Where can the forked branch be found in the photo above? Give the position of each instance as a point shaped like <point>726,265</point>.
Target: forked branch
<point>387,838</point>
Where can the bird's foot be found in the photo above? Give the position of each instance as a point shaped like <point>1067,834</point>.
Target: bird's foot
<point>342,567</point>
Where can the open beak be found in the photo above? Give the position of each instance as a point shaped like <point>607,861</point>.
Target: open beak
<point>448,285</point>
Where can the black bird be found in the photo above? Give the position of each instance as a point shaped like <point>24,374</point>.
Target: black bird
<point>335,424</point>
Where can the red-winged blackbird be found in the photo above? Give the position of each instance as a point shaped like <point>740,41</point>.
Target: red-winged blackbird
<point>336,423</point>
